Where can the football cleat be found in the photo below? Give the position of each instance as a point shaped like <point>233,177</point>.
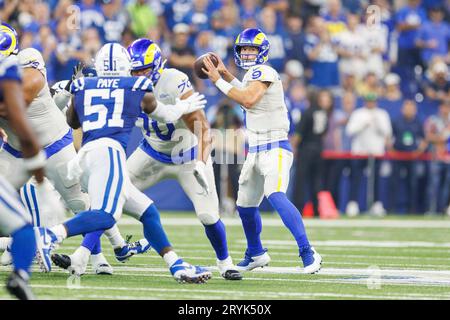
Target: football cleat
<point>100,265</point>
<point>6,258</point>
<point>183,272</point>
<point>228,270</point>
<point>252,262</point>
<point>66,262</point>
<point>130,249</point>
<point>312,261</point>
<point>45,240</point>
<point>17,285</point>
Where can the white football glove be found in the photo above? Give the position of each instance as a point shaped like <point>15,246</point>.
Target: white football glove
<point>195,102</point>
<point>200,175</point>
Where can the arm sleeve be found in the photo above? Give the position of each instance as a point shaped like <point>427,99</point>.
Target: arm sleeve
<point>167,113</point>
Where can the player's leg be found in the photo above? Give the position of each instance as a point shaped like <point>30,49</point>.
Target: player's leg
<point>143,209</point>
<point>15,221</point>
<point>106,178</point>
<point>207,209</point>
<point>250,195</point>
<point>275,165</point>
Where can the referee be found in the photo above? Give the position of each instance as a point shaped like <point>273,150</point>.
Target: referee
<point>309,140</point>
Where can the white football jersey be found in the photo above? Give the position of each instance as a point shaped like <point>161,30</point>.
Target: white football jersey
<point>47,121</point>
<point>267,121</point>
<point>169,138</point>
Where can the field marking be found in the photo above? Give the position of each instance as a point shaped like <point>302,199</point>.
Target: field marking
<point>233,293</point>
<point>276,222</point>
<point>362,243</point>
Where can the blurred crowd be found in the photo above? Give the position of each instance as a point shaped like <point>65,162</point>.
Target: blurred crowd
<point>361,78</point>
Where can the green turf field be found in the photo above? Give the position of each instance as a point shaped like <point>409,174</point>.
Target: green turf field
<point>392,258</point>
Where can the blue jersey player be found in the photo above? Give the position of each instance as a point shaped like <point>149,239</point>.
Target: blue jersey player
<point>106,108</point>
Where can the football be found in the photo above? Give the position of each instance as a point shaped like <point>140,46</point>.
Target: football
<point>199,64</point>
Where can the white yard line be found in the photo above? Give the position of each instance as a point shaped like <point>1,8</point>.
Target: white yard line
<point>340,223</point>
<point>206,293</point>
<point>362,243</point>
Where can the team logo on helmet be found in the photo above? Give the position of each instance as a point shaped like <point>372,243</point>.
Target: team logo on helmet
<point>146,54</point>
<point>9,43</point>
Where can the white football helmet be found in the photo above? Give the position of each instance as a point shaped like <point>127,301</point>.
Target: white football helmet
<point>112,60</point>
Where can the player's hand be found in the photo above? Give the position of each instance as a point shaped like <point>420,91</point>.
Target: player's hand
<point>3,135</point>
<point>78,70</point>
<point>211,70</point>
<point>220,65</point>
<point>200,175</point>
<point>195,102</point>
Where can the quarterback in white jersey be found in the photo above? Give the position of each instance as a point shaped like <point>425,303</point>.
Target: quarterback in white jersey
<point>266,168</point>
<point>179,150</point>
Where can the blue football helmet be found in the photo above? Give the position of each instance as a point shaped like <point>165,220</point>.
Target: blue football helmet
<point>251,37</point>
<point>9,42</point>
<point>146,54</point>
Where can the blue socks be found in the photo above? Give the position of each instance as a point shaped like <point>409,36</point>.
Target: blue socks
<point>23,248</point>
<point>153,230</point>
<point>89,221</point>
<point>92,242</point>
<point>251,222</point>
<point>291,218</point>
<point>218,238</point>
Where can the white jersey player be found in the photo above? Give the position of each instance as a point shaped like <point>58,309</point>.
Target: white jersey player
<point>179,150</point>
<point>266,169</point>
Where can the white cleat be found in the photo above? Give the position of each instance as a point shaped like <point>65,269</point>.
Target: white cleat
<point>252,262</point>
<point>312,261</point>
<point>228,270</point>
<point>378,210</point>
<point>6,258</point>
<point>352,209</point>
<point>100,265</point>
<point>70,263</point>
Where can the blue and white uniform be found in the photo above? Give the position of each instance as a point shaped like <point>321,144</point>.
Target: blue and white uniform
<point>55,135</point>
<point>269,160</point>
<point>107,108</point>
<point>13,215</point>
<point>169,150</point>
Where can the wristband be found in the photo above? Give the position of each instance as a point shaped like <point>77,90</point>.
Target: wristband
<point>36,162</point>
<point>223,86</point>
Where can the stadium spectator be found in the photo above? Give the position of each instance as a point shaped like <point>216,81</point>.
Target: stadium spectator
<point>310,131</point>
<point>370,84</point>
<point>370,129</point>
<point>91,15</point>
<point>221,43</point>
<point>197,18</point>
<point>143,18</point>
<point>116,20</point>
<point>322,55</point>
<point>392,100</point>
<point>276,37</point>
<point>437,133</point>
<point>352,48</point>
<point>297,100</point>
<point>335,18</point>
<point>433,36</point>
<point>408,136</point>
<point>408,21</point>
<point>437,86</point>
<point>182,56</point>
<point>295,39</point>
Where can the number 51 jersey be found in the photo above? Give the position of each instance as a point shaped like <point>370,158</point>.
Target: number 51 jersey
<point>108,107</point>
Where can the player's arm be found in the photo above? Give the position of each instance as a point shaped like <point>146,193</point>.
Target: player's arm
<point>34,157</point>
<point>71,116</point>
<point>170,113</point>
<point>33,82</point>
<point>226,74</point>
<point>246,97</point>
<point>198,124</point>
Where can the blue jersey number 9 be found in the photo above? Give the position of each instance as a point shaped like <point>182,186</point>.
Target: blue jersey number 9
<point>114,97</point>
